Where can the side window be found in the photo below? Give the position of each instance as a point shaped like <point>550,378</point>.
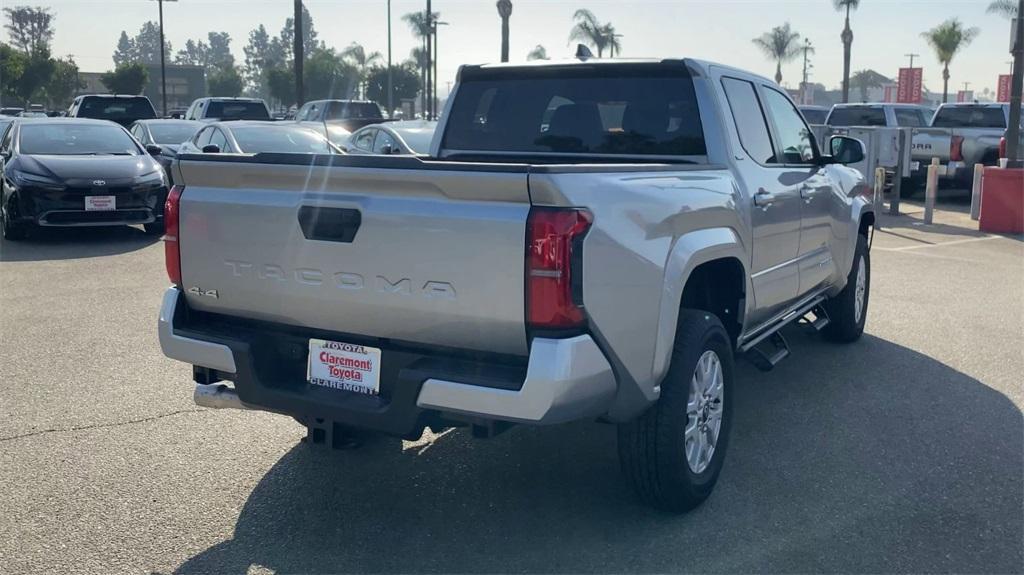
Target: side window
<point>217,139</point>
<point>5,144</point>
<point>364,141</point>
<point>749,118</point>
<point>313,113</point>
<point>908,117</point>
<point>303,113</point>
<point>794,135</point>
<point>384,139</point>
<point>203,137</point>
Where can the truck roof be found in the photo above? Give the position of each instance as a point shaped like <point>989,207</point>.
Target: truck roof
<point>700,66</point>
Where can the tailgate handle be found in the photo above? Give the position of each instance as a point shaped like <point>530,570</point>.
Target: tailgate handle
<point>329,224</point>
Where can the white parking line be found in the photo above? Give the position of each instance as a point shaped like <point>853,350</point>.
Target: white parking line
<point>924,246</point>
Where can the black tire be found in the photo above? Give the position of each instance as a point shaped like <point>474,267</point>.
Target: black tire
<point>653,447</point>
<point>155,228</point>
<point>845,325</point>
<point>12,231</point>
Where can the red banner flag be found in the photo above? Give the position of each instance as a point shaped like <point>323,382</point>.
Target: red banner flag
<point>1003,88</point>
<point>909,89</point>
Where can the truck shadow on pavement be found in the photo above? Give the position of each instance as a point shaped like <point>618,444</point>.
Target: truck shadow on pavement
<point>75,243</point>
<point>870,457</point>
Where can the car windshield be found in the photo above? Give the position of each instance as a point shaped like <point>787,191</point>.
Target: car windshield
<point>636,111</point>
<point>116,108</point>
<point>857,116</point>
<point>229,110</point>
<point>969,117</point>
<point>270,138</point>
<point>353,110</point>
<point>172,133</point>
<point>68,139</point>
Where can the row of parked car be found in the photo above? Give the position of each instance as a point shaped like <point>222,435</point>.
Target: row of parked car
<point>109,161</point>
<point>959,135</point>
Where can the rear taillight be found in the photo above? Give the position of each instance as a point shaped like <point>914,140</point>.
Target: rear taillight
<point>956,149</point>
<point>1002,147</point>
<point>554,249</point>
<point>172,253</point>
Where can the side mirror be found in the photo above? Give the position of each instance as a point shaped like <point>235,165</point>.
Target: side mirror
<point>846,150</point>
<point>211,149</point>
<point>154,150</point>
<point>387,149</point>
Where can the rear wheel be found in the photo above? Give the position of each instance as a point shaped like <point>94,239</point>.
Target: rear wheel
<point>673,453</point>
<point>848,310</point>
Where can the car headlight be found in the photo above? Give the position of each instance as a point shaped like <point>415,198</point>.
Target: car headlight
<point>152,179</point>
<point>38,180</point>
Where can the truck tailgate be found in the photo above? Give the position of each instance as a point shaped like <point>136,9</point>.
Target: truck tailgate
<point>407,251</point>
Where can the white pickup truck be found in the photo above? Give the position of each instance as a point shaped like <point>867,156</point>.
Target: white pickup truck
<point>587,240</point>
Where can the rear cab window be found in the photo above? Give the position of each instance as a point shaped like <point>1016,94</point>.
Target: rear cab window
<point>910,117</point>
<point>116,108</point>
<point>635,111</point>
<point>240,110</point>
<point>969,117</point>
<point>857,116</point>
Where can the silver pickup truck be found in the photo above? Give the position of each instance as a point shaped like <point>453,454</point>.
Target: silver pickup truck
<point>961,135</point>
<point>587,240</point>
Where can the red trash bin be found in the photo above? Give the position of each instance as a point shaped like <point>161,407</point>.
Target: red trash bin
<point>1002,201</point>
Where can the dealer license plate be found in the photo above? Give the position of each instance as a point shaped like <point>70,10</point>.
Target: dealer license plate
<point>344,366</point>
<point>100,203</point>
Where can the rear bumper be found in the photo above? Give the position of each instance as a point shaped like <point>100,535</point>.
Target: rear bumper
<point>561,380</point>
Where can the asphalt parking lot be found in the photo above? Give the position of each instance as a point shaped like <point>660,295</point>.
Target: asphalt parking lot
<point>902,452</point>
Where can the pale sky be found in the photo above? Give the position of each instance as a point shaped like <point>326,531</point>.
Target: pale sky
<point>717,30</point>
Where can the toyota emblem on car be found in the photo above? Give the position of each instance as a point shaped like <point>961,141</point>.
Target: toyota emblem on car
<point>99,182</point>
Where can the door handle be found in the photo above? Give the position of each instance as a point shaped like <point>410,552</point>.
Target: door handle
<point>763,198</point>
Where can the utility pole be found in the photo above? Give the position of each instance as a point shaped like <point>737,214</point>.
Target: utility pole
<point>429,111</point>
<point>163,60</point>
<point>297,50</point>
<point>803,85</point>
<point>391,87</point>
<point>912,56</point>
<point>435,102</point>
<point>1013,151</point>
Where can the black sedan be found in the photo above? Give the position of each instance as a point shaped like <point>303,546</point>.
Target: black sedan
<point>168,134</point>
<point>77,172</point>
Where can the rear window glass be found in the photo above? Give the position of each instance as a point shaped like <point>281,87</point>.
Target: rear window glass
<point>254,140</point>
<point>353,110</point>
<point>116,108</point>
<point>969,117</point>
<point>237,110</point>
<point>600,110</point>
<point>172,133</point>
<point>814,116</point>
<point>857,117</point>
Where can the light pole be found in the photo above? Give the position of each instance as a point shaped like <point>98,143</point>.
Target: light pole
<point>297,50</point>
<point>391,89</point>
<point>163,60</point>
<point>505,11</point>
<point>807,48</point>
<point>433,102</point>
<point>429,108</point>
<point>1013,152</point>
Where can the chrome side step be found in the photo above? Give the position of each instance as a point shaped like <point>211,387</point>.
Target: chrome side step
<point>797,313</point>
<point>766,360</point>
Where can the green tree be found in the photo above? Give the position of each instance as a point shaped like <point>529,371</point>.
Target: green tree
<point>1005,8</point>
<point>357,57</point>
<point>780,44</point>
<point>31,29</point>
<point>847,38</point>
<point>225,82</point>
<point>195,53</point>
<point>947,39</point>
<point>309,36</point>
<point>12,66</point>
<point>538,53</point>
<point>327,75</point>
<point>126,78</point>
<point>38,70</point>
<point>864,80</point>
<point>125,53</point>
<point>219,54</point>
<point>406,83</point>
<point>64,83</point>
<point>588,30</point>
<point>280,83</point>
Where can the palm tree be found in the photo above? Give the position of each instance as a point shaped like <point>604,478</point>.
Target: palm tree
<point>864,80</point>
<point>420,23</point>
<point>611,40</point>
<point>847,38</point>
<point>538,53</point>
<point>1005,8</point>
<point>589,31</point>
<point>947,39</point>
<point>418,59</point>
<point>781,44</point>
<point>356,55</point>
<point>505,12</point>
